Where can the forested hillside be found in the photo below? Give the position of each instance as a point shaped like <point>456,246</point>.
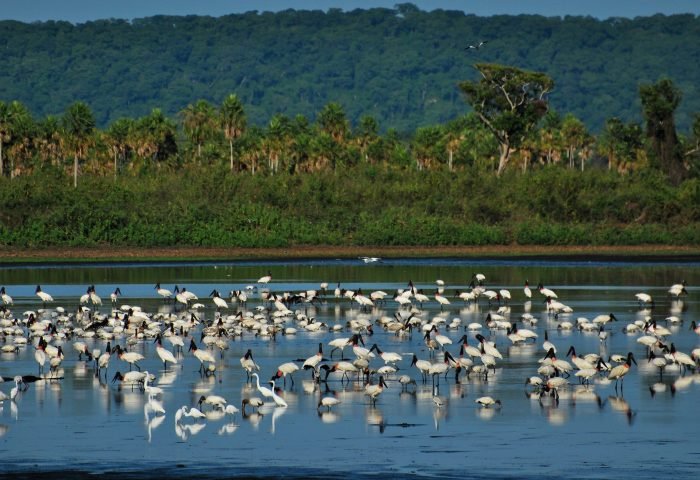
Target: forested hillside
<point>401,66</point>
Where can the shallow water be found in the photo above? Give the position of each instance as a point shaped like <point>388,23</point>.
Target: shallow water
<point>90,425</point>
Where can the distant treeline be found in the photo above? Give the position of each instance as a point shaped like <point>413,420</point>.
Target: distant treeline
<point>401,66</point>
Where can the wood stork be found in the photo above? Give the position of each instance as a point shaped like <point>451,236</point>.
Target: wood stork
<point>345,368</point>
<point>216,401</point>
<point>254,402</point>
<point>328,402</point>
<point>248,363</point>
<point>6,299</point>
<point>165,355</point>
<point>218,301</point>
<point>201,355</point>
<point>678,289</point>
<point>546,291</point>
<point>132,358</point>
<point>373,391</point>
<point>163,292</point>
<point>488,402</point>
<point>644,299</point>
<point>94,297</point>
<point>286,370</point>
<point>618,373</point>
<point>132,378</point>
<point>40,355</point>
<point>388,357</point>
<point>114,296</point>
<point>441,299</point>
<point>266,278</point>
<point>45,297</point>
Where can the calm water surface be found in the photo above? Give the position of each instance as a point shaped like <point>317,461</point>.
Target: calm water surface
<point>84,423</point>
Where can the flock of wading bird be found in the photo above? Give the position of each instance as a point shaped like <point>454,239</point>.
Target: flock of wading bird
<point>100,337</point>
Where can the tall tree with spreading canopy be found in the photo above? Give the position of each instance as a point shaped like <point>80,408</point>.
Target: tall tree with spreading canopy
<point>232,119</point>
<point>79,125</point>
<point>659,102</point>
<point>510,102</point>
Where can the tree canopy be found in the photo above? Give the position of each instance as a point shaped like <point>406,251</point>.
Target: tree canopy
<point>510,102</point>
<point>398,65</point>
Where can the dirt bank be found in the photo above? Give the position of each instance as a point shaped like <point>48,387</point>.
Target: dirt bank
<point>10,255</point>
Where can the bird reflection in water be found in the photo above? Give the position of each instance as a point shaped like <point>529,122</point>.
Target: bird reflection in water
<point>375,418</point>
<point>620,405</point>
<point>228,429</point>
<point>487,413</point>
<point>186,431</point>
<point>440,412</point>
<point>661,388</point>
<point>276,413</point>
<point>154,423</point>
<point>328,416</point>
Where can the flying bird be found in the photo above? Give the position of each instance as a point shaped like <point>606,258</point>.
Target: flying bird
<point>477,46</point>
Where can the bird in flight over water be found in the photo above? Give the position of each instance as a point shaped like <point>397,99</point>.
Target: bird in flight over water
<point>370,259</point>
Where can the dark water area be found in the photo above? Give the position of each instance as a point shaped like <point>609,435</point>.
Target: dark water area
<point>85,426</point>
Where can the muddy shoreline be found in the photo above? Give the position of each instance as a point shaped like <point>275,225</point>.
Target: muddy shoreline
<point>129,254</point>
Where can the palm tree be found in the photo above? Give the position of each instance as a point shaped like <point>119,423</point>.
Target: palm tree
<point>426,146</point>
<point>79,125</point>
<point>22,130</point>
<point>198,122</point>
<point>117,137</point>
<point>48,140</point>
<point>574,136</point>
<point>622,143</point>
<point>331,119</point>
<point>367,134</point>
<point>549,134</point>
<point>4,131</point>
<point>154,136</point>
<point>453,139</point>
<point>276,140</point>
<point>232,119</point>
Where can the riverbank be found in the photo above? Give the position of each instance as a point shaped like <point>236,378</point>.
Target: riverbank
<point>125,254</point>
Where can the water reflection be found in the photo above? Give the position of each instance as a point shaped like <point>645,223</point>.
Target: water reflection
<point>228,429</point>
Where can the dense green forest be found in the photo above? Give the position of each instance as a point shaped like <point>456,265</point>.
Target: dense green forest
<point>510,172</point>
<point>401,66</point>
<point>509,166</point>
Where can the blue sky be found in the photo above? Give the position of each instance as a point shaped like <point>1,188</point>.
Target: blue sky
<point>78,11</point>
